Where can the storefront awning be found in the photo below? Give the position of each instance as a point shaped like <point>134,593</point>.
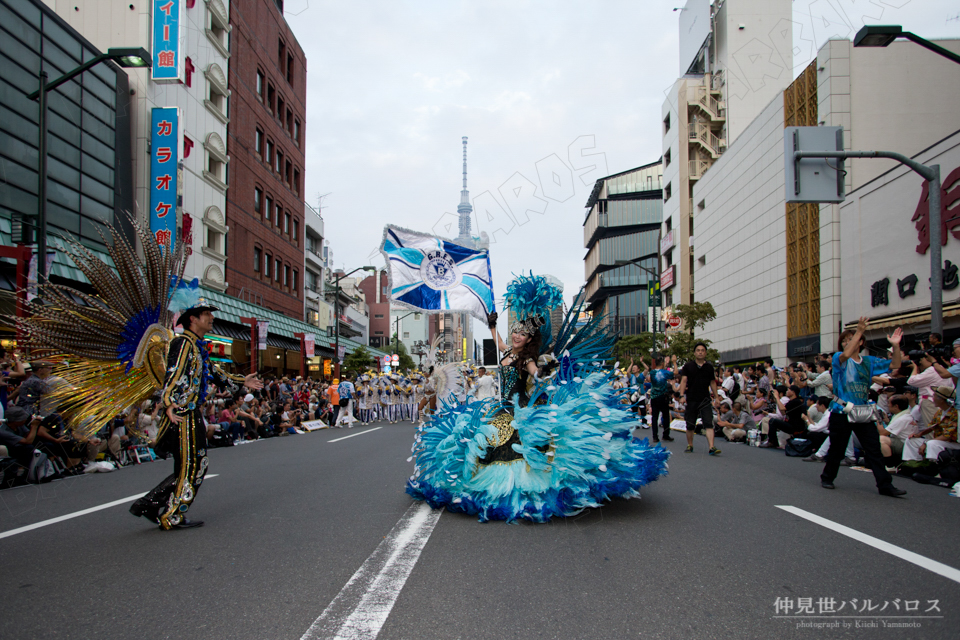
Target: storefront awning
<point>919,316</point>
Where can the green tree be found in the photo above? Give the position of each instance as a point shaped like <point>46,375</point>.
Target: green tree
<point>695,316</point>
<point>357,361</point>
<point>406,362</point>
<point>634,346</point>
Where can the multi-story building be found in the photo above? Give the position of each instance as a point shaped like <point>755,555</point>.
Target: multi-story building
<point>413,328</point>
<point>89,142</point>
<point>621,233</point>
<point>377,297</point>
<point>316,310</point>
<point>201,96</point>
<point>735,56</point>
<point>772,270</point>
<point>267,86</point>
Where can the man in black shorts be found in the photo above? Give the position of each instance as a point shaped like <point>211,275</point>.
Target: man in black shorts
<point>699,382</point>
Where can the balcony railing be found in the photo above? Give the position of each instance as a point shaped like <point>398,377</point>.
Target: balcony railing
<point>717,80</point>
<point>710,104</point>
<point>699,166</point>
<point>700,132</point>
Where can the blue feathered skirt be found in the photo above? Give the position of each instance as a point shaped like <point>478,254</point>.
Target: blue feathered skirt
<point>573,452</point>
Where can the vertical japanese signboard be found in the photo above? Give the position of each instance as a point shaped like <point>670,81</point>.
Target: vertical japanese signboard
<point>262,329</point>
<point>164,146</point>
<point>167,57</point>
<point>308,345</point>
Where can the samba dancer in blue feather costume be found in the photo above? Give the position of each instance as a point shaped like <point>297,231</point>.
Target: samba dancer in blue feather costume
<point>559,440</point>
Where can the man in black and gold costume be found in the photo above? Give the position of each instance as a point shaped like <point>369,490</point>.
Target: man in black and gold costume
<point>182,432</point>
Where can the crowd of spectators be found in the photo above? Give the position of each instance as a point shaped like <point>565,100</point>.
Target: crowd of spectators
<point>36,445</point>
<point>759,404</point>
<point>789,408</point>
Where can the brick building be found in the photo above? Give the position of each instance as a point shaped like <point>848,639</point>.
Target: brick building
<point>265,210</point>
<point>379,303</point>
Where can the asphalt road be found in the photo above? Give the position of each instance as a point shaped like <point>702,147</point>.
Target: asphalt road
<point>705,553</point>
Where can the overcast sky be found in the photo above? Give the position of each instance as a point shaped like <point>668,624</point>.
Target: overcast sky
<point>392,87</point>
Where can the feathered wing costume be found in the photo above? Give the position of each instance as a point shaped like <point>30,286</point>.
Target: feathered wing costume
<point>111,349</point>
<point>553,445</point>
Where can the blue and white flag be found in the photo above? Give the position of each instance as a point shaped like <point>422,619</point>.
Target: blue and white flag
<point>428,273</point>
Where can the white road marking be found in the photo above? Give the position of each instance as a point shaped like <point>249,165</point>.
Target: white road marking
<point>82,512</point>
<point>921,561</point>
<point>353,435</point>
<point>363,605</point>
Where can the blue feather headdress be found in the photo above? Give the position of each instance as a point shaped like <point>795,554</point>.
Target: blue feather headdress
<point>532,296</point>
<point>184,295</point>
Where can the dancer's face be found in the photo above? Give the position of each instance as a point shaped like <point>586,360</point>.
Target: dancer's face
<point>519,340</point>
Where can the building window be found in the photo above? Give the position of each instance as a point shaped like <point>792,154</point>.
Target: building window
<point>281,55</point>
<point>260,81</point>
<point>216,161</point>
<point>269,151</point>
<point>278,267</point>
<point>296,131</point>
<point>296,229</point>
<point>294,282</point>
<point>379,333</point>
<point>258,145</point>
<point>288,173</point>
<point>267,261</point>
<point>218,26</point>
<point>280,109</point>
<point>279,218</point>
<point>666,123</point>
<point>286,222</point>
<point>217,92</point>
<point>269,209</point>
<point>258,199</point>
<point>416,316</point>
<point>667,191</point>
<point>290,68</point>
<point>286,275</point>
<point>279,166</point>
<point>666,158</point>
<point>289,125</point>
<point>378,315</point>
<point>271,97</point>
<point>406,334</point>
<point>296,181</point>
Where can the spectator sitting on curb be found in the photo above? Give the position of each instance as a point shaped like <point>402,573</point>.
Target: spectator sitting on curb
<point>735,423</point>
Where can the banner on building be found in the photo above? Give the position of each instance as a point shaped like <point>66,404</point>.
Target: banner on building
<point>167,54</point>
<point>164,156</point>
<point>32,273</point>
<point>341,352</point>
<point>262,329</point>
<point>308,345</point>
<point>428,273</point>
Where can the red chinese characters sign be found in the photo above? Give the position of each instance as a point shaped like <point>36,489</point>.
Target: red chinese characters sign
<point>164,143</point>
<point>949,212</point>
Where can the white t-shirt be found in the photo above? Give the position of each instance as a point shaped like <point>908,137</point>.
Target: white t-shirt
<point>902,426</point>
<point>485,387</point>
<point>823,424</point>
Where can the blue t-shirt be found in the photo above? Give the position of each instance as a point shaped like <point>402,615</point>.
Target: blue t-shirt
<point>345,390</point>
<point>851,381</point>
<point>660,382</point>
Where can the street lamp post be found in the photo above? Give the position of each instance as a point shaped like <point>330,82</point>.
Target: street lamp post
<point>124,57</point>
<point>396,347</point>
<point>636,261</point>
<point>882,36</point>
<point>336,314</point>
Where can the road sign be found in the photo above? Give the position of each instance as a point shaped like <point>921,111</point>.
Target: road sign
<point>654,297</point>
<point>674,323</point>
<point>813,179</point>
